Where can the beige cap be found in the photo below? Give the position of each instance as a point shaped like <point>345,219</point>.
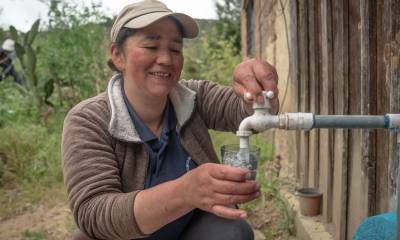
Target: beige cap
<point>141,14</point>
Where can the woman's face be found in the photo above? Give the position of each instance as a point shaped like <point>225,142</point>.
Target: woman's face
<point>152,60</point>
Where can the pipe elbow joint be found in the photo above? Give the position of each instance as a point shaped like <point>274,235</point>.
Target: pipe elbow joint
<point>258,123</point>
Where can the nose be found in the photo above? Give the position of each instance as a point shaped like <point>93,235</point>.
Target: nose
<point>164,58</point>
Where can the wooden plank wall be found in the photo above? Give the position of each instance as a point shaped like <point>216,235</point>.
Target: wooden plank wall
<point>356,188</point>
<point>362,160</point>
<point>392,57</point>
<point>345,60</point>
<point>382,107</point>
<point>313,61</point>
<point>388,71</point>
<point>326,107</point>
<point>294,86</point>
<point>345,68</point>
<point>340,32</point>
<point>304,93</point>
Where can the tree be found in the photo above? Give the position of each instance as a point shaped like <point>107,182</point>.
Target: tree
<point>218,49</point>
<point>228,25</point>
<point>27,56</point>
<point>77,38</point>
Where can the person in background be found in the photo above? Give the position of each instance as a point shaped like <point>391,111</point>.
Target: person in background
<point>7,55</point>
<point>137,159</point>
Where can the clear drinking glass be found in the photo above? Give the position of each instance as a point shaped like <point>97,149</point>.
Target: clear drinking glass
<point>229,156</point>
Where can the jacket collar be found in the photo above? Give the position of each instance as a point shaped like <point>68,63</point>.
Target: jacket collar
<point>121,126</point>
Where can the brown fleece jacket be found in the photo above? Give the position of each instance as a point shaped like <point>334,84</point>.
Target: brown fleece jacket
<point>104,161</point>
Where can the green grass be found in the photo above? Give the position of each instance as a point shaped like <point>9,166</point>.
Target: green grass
<point>33,235</point>
<point>29,152</point>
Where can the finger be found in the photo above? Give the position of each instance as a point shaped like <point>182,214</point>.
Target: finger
<point>251,84</point>
<point>235,188</point>
<point>266,76</point>
<point>227,212</point>
<point>243,93</point>
<point>225,172</point>
<point>229,199</point>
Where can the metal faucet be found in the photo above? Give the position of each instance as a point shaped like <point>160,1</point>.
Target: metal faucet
<point>262,120</point>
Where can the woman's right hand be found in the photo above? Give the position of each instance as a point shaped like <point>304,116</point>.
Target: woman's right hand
<point>213,187</point>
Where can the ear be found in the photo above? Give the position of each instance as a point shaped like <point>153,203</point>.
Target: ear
<point>117,57</point>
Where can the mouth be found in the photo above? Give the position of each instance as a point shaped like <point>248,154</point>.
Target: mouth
<point>161,75</point>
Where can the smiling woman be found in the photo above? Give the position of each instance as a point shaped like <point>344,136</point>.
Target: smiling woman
<point>151,62</point>
<point>138,161</point>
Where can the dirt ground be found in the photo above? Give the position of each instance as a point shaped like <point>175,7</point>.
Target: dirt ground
<point>56,223</point>
<point>50,223</point>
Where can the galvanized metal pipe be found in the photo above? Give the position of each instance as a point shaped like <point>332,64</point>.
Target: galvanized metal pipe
<point>350,121</point>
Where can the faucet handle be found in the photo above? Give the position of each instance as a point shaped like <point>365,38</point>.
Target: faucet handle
<point>267,95</point>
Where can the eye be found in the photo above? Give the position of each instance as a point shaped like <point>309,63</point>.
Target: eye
<point>151,47</point>
<point>174,50</point>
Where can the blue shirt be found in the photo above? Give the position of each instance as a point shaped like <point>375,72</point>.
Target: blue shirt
<point>167,161</point>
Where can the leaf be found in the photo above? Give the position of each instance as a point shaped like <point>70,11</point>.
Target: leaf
<point>14,33</point>
<point>48,89</point>
<point>25,38</point>
<point>20,51</point>
<point>31,59</point>
<point>33,32</point>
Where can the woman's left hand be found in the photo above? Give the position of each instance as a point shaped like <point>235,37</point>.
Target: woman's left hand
<point>254,76</point>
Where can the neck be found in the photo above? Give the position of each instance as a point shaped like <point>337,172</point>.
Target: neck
<point>149,111</point>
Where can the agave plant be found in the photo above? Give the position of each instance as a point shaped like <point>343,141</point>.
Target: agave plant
<point>27,56</point>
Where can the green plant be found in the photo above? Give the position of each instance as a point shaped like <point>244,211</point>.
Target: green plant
<point>216,62</point>
<point>270,188</point>
<point>31,152</point>
<point>73,52</point>
<point>228,25</point>
<point>218,48</point>
<point>14,105</point>
<point>3,34</point>
<point>27,56</point>
<point>34,235</point>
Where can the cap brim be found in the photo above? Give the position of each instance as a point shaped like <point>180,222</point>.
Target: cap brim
<point>189,25</point>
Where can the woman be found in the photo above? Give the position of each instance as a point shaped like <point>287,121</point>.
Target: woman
<point>137,159</point>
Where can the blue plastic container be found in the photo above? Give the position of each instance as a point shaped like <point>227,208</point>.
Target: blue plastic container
<point>380,227</point>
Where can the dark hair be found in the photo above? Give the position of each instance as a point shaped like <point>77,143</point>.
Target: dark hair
<point>125,33</point>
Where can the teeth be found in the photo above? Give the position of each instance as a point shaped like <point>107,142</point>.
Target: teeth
<point>160,74</point>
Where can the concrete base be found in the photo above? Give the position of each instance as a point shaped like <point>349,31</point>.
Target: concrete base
<point>307,228</point>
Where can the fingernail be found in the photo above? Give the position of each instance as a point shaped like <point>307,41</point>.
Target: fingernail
<point>257,186</point>
<point>243,215</point>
